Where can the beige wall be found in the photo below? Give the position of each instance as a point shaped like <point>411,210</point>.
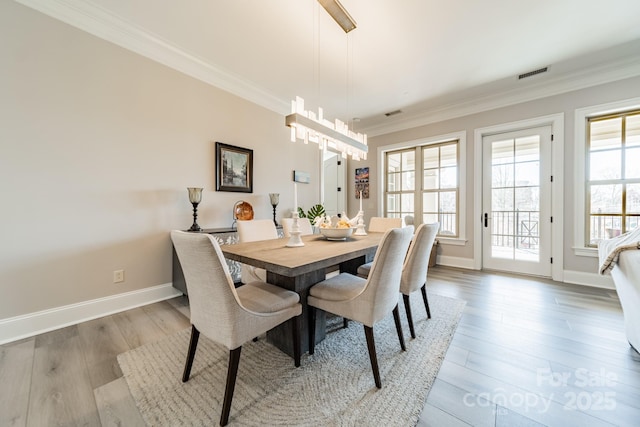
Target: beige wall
<point>98,145</point>
<point>565,103</point>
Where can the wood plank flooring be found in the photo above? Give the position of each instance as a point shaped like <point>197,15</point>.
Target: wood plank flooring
<point>527,352</point>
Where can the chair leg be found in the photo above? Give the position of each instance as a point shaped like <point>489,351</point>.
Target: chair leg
<point>296,339</point>
<point>345,322</point>
<point>232,373</point>
<point>312,329</point>
<point>371,345</point>
<point>426,301</point>
<point>396,317</point>
<point>407,309</point>
<point>191,353</point>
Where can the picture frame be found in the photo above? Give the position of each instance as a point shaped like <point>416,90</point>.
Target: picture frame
<point>234,168</point>
<point>301,177</point>
<point>362,182</point>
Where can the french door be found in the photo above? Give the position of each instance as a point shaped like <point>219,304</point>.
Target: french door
<point>516,199</point>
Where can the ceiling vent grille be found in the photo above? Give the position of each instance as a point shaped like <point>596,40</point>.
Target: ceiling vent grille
<point>533,73</point>
<point>393,113</point>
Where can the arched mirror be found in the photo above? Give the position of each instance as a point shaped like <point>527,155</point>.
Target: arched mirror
<point>333,191</point>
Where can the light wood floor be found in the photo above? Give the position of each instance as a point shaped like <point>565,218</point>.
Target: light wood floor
<point>527,352</point>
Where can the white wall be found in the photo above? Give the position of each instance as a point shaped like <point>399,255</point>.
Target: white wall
<point>98,146</point>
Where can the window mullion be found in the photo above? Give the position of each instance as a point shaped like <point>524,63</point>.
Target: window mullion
<point>623,153</point>
<point>418,187</point>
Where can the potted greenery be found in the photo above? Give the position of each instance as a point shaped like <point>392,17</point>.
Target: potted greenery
<point>312,214</point>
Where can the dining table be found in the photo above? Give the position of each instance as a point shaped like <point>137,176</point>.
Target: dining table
<point>299,268</point>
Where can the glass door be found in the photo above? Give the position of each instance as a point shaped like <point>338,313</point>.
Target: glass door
<point>516,216</point>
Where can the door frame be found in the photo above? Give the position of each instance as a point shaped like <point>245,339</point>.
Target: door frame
<point>541,266</point>
<point>556,121</point>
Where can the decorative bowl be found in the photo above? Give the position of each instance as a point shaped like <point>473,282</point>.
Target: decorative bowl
<point>243,211</point>
<point>336,233</point>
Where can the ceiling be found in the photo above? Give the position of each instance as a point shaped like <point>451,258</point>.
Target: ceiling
<point>431,59</point>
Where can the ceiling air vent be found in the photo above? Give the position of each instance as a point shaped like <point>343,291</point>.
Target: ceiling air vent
<point>393,113</point>
<point>533,73</point>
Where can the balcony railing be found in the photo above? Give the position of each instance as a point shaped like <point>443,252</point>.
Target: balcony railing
<point>519,229</point>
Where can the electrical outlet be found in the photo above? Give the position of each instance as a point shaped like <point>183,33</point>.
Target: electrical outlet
<point>118,276</point>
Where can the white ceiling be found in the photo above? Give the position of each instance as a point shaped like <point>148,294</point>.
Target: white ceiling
<point>431,59</point>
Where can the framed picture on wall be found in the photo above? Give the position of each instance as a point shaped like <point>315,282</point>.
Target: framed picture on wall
<point>362,182</point>
<point>234,168</point>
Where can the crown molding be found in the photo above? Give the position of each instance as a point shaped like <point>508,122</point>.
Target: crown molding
<point>103,24</point>
<point>111,27</point>
<point>607,73</point>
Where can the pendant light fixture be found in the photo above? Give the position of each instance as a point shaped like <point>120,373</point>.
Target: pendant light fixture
<point>307,126</point>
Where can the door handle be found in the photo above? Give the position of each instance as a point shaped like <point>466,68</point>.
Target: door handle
<point>486,219</point>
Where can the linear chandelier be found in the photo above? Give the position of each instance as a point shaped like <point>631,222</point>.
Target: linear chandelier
<point>306,126</point>
<point>339,14</point>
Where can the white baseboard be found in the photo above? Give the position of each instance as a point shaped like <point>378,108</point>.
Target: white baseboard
<point>452,261</point>
<point>28,325</point>
<point>570,276</point>
<point>589,279</point>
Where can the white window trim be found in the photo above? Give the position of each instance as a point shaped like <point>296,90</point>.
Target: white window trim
<point>461,136</point>
<point>579,208</point>
<point>557,203</point>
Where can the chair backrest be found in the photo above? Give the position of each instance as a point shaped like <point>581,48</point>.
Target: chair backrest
<point>408,219</point>
<point>256,229</point>
<point>213,300</point>
<point>414,271</point>
<point>381,224</point>
<point>303,223</point>
<point>380,294</point>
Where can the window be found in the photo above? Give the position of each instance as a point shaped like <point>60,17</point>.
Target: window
<point>612,178</point>
<point>401,183</point>
<point>423,181</point>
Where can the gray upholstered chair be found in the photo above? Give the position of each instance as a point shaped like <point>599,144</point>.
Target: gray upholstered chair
<point>414,271</point>
<point>253,231</point>
<point>378,224</point>
<point>303,223</point>
<point>227,315</point>
<point>365,300</point>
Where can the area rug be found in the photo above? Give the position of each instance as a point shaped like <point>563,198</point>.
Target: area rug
<point>334,387</point>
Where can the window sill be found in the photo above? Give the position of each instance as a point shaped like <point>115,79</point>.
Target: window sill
<point>588,252</point>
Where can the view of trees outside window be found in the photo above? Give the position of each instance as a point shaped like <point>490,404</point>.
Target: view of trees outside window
<point>440,187</point>
<point>401,183</point>
<point>436,197</point>
<point>613,175</point>
<point>515,197</point>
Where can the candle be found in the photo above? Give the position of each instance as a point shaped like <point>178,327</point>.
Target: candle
<point>295,197</point>
<point>361,201</point>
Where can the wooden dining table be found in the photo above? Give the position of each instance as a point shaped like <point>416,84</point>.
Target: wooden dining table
<point>299,268</point>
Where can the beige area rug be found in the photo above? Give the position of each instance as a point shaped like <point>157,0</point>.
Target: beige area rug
<point>334,387</point>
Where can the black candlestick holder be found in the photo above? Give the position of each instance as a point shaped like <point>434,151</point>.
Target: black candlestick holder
<point>195,197</point>
<point>275,199</point>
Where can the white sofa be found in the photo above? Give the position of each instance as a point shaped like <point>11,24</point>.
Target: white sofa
<point>626,276</point>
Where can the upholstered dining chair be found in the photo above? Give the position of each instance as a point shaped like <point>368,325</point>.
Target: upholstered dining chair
<point>253,231</point>
<point>365,300</point>
<point>303,223</point>
<point>224,314</point>
<point>378,224</point>
<point>416,265</point>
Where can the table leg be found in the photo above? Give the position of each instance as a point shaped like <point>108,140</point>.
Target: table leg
<point>351,266</point>
<point>280,336</point>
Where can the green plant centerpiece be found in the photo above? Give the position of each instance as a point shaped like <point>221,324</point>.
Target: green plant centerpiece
<point>313,213</point>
